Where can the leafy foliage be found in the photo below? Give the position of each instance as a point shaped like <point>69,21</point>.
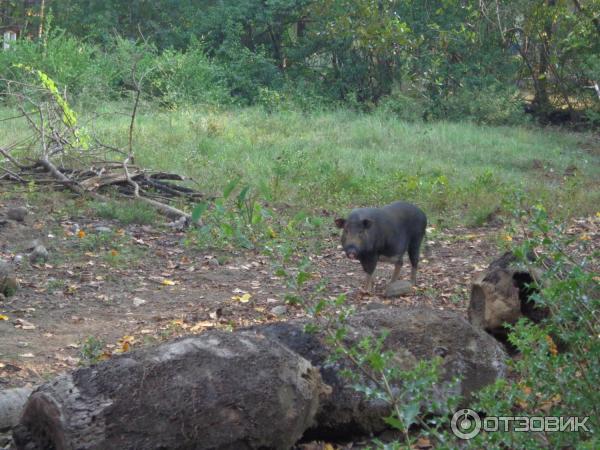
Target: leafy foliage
<point>460,59</point>
<point>558,371</point>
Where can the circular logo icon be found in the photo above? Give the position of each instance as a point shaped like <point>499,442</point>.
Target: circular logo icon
<point>466,424</point>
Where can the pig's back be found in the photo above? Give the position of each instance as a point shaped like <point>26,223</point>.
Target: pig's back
<point>407,216</point>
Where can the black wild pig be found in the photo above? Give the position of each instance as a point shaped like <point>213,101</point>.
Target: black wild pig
<point>384,234</point>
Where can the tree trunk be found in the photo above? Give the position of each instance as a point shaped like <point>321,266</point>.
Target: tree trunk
<point>11,405</point>
<point>541,100</point>
<point>217,390</point>
<point>501,295</point>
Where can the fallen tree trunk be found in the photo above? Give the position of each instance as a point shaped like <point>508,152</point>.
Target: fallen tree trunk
<point>502,295</point>
<point>217,390</point>
<point>11,405</point>
<point>414,334</point>
<point>249,389</point>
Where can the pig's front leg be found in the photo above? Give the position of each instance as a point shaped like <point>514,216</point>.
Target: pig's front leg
<point>368,264</point>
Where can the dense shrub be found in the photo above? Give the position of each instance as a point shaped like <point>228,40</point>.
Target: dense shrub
<point>491,105</point>
<point>78,67</point>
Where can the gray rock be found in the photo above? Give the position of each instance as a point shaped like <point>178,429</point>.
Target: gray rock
<point>279,310</point>
<point>138,301</point>
<point>17,213</point>
<point>38,255</point>
<point>101,229</point>
<point>397,288</point>
<point>213,262</point>
<point>33,244</point>
<point>8,280</point>
<point>18,259</point>
<point>179,224</point>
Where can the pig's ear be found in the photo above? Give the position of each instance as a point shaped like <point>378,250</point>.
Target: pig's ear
<point>367,223</point>
<point>340,223</point>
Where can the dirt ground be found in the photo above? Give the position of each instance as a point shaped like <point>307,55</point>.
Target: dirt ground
<point>158,287</point>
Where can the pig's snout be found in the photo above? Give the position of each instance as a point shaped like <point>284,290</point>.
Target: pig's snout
<point>351,252</point>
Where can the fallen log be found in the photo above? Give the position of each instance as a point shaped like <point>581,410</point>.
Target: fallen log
<point>248,389</point>
<point>217,390</point>
<point>11,405</point>
<point>414,334</point>
<point>502,295</point>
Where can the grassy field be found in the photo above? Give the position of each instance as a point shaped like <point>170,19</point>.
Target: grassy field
<point>459,173</point>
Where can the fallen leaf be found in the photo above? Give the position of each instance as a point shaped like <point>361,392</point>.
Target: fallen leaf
<point>168,282</point>
<point>551,345</point>
<point>81,234</point>
<point>125,344</point>
<point>202,325</point>
<point>216,314</point>
<point>23,324</point>
<point>243,299</point>
<point>422,443</point>
<point>3,317</point>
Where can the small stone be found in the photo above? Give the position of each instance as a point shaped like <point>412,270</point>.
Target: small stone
<point>279,310</point>
<point>101,229</point>
<point>213,262</point>
<point>39,254</point>
<point>24,324</point>
<point>17,214</point>
<point>397,288</point>
<point>18,259</point>
<point>138,301</point>
<point>179,224</point>
<point>33,244</point>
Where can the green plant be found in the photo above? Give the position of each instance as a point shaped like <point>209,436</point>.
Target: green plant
<point>558,370</point>
<point>91,351</point>
<point>55,284</point>
<point>411,394</point>
<point>126,212</point>
<point>233,221</point>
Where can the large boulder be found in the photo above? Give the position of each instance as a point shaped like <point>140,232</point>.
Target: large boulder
<point>414,334</point>
<point>217,390</point>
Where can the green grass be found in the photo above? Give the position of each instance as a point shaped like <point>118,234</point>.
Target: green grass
<point>459,173</point>
<point>126,212</point>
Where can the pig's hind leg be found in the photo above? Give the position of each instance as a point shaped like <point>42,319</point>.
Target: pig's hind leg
<point>413,254</point>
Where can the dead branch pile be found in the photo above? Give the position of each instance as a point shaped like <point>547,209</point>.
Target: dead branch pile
<point>57,151</point>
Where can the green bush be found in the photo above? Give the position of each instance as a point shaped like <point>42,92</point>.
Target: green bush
<point>188,77</point>
<point>76,66</point>
<point>558,371</point>
<point>489,105</point>
<point>402,106</point>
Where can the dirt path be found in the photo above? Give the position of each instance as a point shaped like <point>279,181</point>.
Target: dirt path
<point>156,287</point>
